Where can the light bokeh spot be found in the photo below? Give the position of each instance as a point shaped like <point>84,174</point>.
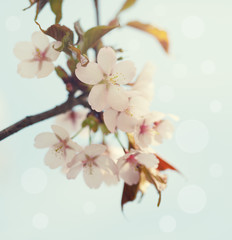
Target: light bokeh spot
<point>193,27</point>
<point>165,93</point>
<point>89,208</point>
<point>40,221</point>
<point>167,224</point>
<point>13,23</point>
<point>192,199</point>
<point>192,136</point>
<point>34,180</point>
<point>215,106</point>
<point>208,67</point>
<point>216,170</point>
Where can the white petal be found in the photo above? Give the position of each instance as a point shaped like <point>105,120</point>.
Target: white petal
<point>126,122</point>
<point>165,129</point>
<point>143,140</point>
<point>125,71</point>
<point>138,105</point>
<point>69,155</point>
<point>77,159</point>
<point>97,97</point>
<point>54,158</point>
<point>44,140</point>
<point>60,132</point>
<point>110,179</point>
<point>94,150</point>
<point>90,74</point>
<point>107,164</point>
<point>24,50</point>
<point>53,54</point>
<point>40,40</point>
<point>28,69</point>
<point>110,119</point>
<point>117,98</point>
<point>92,176</point>
<point>106,58</point>
<point>74,146</point>
<point>149,160</point>
<point>73,172</point>
<point>45,69</point>
<point>129,174</point>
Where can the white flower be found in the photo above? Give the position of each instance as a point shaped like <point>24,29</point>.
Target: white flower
<point>127,119</point>
<point>107,76</point>
<point>94,164</point>
<point>128,165</point>
<point>72,120</point>
<point>164,129</point>
<point>144,83</point>
<point>36,56</point>
<point>61,148</point>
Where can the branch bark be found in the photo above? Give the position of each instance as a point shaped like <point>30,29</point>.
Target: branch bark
<point>30,120</point>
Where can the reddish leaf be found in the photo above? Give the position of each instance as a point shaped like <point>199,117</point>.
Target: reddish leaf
<point>163,165</point>
<point>129,193</point>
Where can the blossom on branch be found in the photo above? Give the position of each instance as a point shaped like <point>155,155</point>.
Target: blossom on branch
<point>36,56</point>
<point>107,76</point>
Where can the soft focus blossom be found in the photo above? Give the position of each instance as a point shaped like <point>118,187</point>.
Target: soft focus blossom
<point>36,56</point>
<point>107,76</point>
<point>164,130</point>
<point>128,165</point>
<point>94,163</point>
<point>61,147</point>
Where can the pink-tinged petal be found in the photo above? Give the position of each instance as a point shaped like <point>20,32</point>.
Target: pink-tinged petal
<point>74,146</point>
<point>24,50</point>
<point>117,98</point>
<point>110,179</point>
<point>154,117</point>
<point>110,119</point>
<point>77,159</point>
<point>93,176</point>
<point>53,54</point>
<point>69,155</point>
<point>107,164</point>
<point>126,122</point>
<point>45,69</point>
<point>60,132</point>
<point>28,69</point>
<point>97,97</point>
<point>124,72</point>
<point>106,58</point>
<point>129,174</point>
<point>90,74</point>
<point>157,139</point>
<point>40,40</point>
<point>149,160</point>
<point>94,150</point>
<point>165,129</point>
<point>54,158</point>
<point>73,172</point>
<point>143,140</point>
<point>138,105</point>
<point>44,140</point>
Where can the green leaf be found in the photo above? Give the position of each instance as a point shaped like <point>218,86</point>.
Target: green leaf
<point>61,73</point>
<point>126,5</point>
<point>93,35</point>
<point>92,122</point>
<point>40,4</point>
<point>79,31</point>
<point>56,6</point>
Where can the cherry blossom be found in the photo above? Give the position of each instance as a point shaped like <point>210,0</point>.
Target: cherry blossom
<point>165,130</point>
<point>94,163</point>
<point>106,75</point>
<point>61,147</point>
<point>36,56</point>
<point>127,119</point>
<point>128,165</point>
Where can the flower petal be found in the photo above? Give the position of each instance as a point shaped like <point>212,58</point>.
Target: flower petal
<point>110,119</point>
<point>165,129</point>
<point>46,68</point>
<point>60,132</point>
<point>40,40</point>
<point>53,54</point>
<point>129,174</point>
<point>107,164</point>
<point>74,146</point>
<point>73,172</point>
<point>93,176</point>
<point>97,97</point>
<point>106,58</point>
<point>77,159</point>
<point>124,72</point>
<point>44,140</point>
<point>149,160</point>
<point>94,150</point>
<point>117,98</point>
<point>54,158</point>
<point>24,50</point>
<point>90,74</point>
<point>28,69</point>
<point>126,122</point>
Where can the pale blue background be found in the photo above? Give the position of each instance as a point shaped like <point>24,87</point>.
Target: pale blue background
<point>192,93</point>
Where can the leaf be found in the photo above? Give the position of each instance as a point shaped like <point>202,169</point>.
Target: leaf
<point>126,5</point>
<point>92,122</point>
<point>160,35</point>
<point>163,165</point>
<point>61,73</point>
<point>91,37</point>
<point>79,31</point>
<point>40,4</point>
<point>56,6</point>
<point>129,193</point>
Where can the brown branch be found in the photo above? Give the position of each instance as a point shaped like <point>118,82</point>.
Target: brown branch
<point>97,12</point>
<point>30,120</point>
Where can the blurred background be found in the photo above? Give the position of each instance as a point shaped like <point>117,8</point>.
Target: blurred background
<point>193,82</point>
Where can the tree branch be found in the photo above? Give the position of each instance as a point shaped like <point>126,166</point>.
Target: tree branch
<point>97,12</point>
<point>30,120</point>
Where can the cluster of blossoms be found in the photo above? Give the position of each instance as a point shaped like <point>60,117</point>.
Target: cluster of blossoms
<point>122,103</point>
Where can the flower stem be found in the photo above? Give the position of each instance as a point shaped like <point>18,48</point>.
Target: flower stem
<point>119,141</point>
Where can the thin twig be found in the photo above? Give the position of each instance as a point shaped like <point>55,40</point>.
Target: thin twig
<point>30,120</point>
<point>97,12</point>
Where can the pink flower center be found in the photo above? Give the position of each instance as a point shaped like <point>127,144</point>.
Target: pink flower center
<point>40,56</point>
<point>143,128</point>
<point>131,159</point>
